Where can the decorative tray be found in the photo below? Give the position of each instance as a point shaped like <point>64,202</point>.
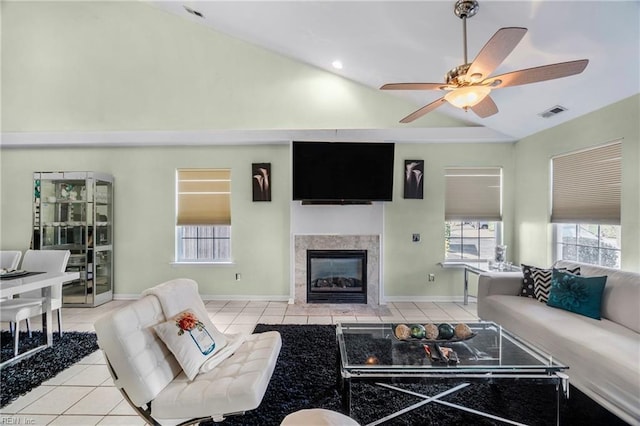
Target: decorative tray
<point>4,273</point>
<point>453,339</point>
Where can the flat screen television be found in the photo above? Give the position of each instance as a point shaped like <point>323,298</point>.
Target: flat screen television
<point>342,172</point>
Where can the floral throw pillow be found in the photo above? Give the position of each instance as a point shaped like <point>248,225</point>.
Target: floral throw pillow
<point>578,294</point>
<point>192,338</point>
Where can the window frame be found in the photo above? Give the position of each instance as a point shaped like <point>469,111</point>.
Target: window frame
<point>558,245</point>
<point>212,233</point>
<point>497,240</point>
<point>179,238</point>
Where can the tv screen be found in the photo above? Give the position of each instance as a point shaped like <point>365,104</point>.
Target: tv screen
<point>342,171</point>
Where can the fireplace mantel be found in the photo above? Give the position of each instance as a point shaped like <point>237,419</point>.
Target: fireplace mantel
<point>370,243</point>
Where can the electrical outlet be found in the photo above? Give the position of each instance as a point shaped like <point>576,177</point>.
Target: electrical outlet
<point>238,276</point>
<point>432,277</point>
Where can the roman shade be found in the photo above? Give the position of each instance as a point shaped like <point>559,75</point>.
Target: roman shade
<point>204,197</point>
<point>473,193</point>
<point>587,185</point>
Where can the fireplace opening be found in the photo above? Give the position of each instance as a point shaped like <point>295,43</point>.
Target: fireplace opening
<point>336,276</point>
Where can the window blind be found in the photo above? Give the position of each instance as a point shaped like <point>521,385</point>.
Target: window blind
<point>204,197</point>
<point>473,193</point>
<point>587,185</point>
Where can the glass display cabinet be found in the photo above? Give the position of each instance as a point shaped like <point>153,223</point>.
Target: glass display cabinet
<point>74,211</point>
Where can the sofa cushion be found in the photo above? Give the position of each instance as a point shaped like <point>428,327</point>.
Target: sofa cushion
<point>574,293</point>
<point>621,294</point>
<point>192,339</point>
<point>144,364</point>
<point>235,385</point>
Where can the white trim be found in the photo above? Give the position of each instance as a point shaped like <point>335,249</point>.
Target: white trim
<point>208,263</point>
<point>455,299</point>
<point>475,134</point>
<point>206,297</point>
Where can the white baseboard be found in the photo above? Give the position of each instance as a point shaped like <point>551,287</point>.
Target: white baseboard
<point>126,296</point>
<point>454,299</point>
<point>386,299</point>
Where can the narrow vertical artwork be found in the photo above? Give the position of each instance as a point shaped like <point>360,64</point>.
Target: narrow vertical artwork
<point>413,179</point>
<point>261,181</point>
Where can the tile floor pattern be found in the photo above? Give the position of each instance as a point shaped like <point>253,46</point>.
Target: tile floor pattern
<point>84,394</point>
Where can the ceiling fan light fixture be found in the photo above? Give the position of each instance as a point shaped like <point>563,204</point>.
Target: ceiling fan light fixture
<point>466,97</point>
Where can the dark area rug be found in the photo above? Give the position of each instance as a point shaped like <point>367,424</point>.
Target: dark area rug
<point>306,373</point>
<point>29,373</point>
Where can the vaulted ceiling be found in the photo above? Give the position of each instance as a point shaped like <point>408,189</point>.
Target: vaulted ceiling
<point>419,41</point>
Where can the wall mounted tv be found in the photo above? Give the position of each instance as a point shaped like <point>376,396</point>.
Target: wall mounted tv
<point>342,172</point>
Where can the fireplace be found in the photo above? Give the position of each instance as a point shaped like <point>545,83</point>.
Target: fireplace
<point>336,276</point>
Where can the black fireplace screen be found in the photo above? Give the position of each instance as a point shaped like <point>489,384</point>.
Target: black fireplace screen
<point>337,276</point>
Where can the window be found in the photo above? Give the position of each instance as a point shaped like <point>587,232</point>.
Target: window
<point>473,212</point>
<point>595,244</point>
<point>203,218</point>
<point>586,188</point>
<point>471,240</point>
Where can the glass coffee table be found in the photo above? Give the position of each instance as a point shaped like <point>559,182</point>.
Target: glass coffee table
<point>371,352</point>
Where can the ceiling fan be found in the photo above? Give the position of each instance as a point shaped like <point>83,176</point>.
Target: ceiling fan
<point>469,85</point>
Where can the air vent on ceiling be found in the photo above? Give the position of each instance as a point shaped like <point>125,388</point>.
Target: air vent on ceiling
<point>193,12</point>
<point>552,111</point>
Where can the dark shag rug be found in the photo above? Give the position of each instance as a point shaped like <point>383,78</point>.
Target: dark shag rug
<point>29,373</point>
<point>306,377</point>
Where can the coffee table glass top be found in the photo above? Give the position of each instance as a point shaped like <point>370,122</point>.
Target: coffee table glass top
<point>373,348</point>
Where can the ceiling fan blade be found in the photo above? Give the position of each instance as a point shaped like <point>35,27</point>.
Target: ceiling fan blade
<point>485,108</point>
<point>536,74</point>
<point>495,51</point>
<point>422,111</point>
<point>412,86</point>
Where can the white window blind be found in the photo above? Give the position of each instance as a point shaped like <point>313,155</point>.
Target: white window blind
<point>587,186</point>
<point>473,194</point>
<point>204,197</point>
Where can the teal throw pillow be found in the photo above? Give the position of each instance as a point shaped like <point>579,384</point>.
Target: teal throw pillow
<point>579,294</point>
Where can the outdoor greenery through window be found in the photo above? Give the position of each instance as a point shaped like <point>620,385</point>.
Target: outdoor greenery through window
<point>203,215</point>
<point>594,244</point>
<point>470,240</point>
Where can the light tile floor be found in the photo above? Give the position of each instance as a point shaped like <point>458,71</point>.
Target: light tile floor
<point>84,394</point>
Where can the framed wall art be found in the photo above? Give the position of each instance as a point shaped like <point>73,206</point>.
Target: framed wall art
<point>261,179</point>
<point>414,179</point>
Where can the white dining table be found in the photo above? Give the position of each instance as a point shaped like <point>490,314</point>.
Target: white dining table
<point>43,282</point>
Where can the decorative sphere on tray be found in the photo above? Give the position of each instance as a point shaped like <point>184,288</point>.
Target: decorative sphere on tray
<point>431,331</point>
<point>417,331</point>
<point>445,331</point>
<point>402,331</point>
<point>462,331</point>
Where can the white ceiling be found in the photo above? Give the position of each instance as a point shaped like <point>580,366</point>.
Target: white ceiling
<point>419,41</point>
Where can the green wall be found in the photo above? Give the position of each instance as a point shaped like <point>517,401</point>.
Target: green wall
<point>407,264</point>
<point>533,156</point>
<point>144,200</point>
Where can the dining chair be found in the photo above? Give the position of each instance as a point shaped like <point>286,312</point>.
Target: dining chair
<point>15,310</point>
<point>47,261</point>
<point>10,259</point>
<point>31,303</point>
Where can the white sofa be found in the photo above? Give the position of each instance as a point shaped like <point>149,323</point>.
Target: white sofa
<point>603,355</point>
<point>150,377</point>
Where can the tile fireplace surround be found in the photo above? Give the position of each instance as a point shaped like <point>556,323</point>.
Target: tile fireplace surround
<point>370,243</point>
